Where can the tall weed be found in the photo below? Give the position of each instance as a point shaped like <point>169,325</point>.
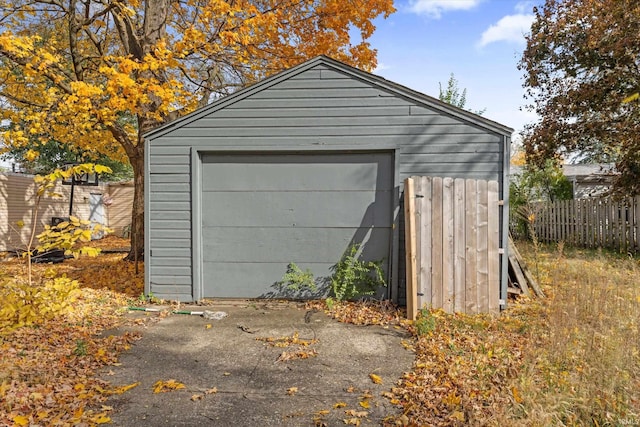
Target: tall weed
<point>587,370</point>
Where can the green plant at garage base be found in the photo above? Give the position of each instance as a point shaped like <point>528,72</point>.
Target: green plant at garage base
<point>353,277</point>
<point>426,323</point>
<point>295,279</point>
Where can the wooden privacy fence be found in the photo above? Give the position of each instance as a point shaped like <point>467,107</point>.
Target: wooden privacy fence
<point>591,223</point>
<point>452,237</point>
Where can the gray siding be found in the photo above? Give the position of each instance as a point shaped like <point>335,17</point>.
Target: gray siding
<point>316,109</point>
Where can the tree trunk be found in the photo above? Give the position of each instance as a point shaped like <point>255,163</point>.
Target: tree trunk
<point>137,213</point>
<point>154,29</point>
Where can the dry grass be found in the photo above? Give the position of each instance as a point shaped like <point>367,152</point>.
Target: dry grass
<point>570,359</point>
<point>587,369</point>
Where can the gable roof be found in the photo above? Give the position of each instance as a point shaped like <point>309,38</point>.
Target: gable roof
<point>374,80</point>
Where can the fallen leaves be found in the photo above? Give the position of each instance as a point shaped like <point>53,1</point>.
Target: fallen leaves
<point>199,396</point>
<point>375,378</point>
<point>302,350</point>
<point>516,394</point>
<point>44,382</point>
<point>292,390</point>
<point>464,365</point>
<point>90,272</point>
<point>288,341</point>
<point>124,388</point>
<point>166,386</point>
<point>21,420</point>
<point>383,313</point>
<point>357,414</point>
<point>296,354</point>
<point>48,371</point>
<point>365,404</point>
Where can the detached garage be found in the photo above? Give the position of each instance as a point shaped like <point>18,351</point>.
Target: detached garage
<point>297,168</point>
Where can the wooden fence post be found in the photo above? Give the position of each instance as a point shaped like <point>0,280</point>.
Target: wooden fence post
<point>410,247</point>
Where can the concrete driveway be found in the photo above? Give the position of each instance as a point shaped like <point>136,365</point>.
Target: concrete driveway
<point>257,382</point>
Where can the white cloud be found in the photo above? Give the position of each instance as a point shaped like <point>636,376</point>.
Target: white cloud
<point>381,67</point>
<point>510,28</point>
<point>435,8</point>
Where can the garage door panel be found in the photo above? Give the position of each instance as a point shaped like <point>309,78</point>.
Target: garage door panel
<point>286,244</point>
<point>262,211</point>
<point>297,209</point>
<point>295,172</point>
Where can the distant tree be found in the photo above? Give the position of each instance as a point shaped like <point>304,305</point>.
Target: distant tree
<point>547,183</point>
<point>580,63</point>
<point>517,154</point>
<point>53,155</point>
<point>452,95</point>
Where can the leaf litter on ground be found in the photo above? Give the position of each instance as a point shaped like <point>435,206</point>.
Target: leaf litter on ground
<point>48,370</point>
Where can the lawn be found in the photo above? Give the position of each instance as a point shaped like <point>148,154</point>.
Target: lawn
<point>570,359</point>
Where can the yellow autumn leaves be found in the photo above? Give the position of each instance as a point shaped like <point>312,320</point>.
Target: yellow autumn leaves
<point>376,379</point>
<point>24,304</point>
<point>301,348</point>
<point>168,385</point>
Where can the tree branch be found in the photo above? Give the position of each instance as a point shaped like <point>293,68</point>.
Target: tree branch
<point>127,32</point>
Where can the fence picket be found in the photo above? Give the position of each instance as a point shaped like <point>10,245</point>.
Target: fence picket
<point>482,256</point>
<point>460,244</point>
<point>436,236</point>
<point>426,244</point>
<point>590,223</point>
<point>471,285</point>
<point>493,244</point>
<point>448,253</point>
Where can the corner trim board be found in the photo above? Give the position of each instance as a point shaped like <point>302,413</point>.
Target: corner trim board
<point>196,225</point>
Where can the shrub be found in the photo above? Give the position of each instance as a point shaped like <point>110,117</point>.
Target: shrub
<point>353,277</point>
<point>24,304</point>
<point>295,279</point>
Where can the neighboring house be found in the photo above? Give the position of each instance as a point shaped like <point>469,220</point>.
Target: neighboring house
<point>296,168</point>
<point>108,204</point>
<point>588,180</point>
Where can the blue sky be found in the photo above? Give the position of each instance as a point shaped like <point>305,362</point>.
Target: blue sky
<point>480,41</point>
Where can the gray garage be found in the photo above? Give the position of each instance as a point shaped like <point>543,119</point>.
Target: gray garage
<point>297,168</point>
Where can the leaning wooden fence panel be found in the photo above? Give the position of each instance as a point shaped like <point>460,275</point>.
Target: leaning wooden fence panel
<point>590,223</point>
<point>452,243</point>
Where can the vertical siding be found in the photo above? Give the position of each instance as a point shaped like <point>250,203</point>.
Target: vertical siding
<point>17,199</point>
<point>320,108</point>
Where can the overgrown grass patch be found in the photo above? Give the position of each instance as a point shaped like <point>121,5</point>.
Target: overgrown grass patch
<point>588,369</point>
<point>569,359</point>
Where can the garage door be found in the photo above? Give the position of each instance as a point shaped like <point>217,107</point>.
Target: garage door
<point>262,211</point>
